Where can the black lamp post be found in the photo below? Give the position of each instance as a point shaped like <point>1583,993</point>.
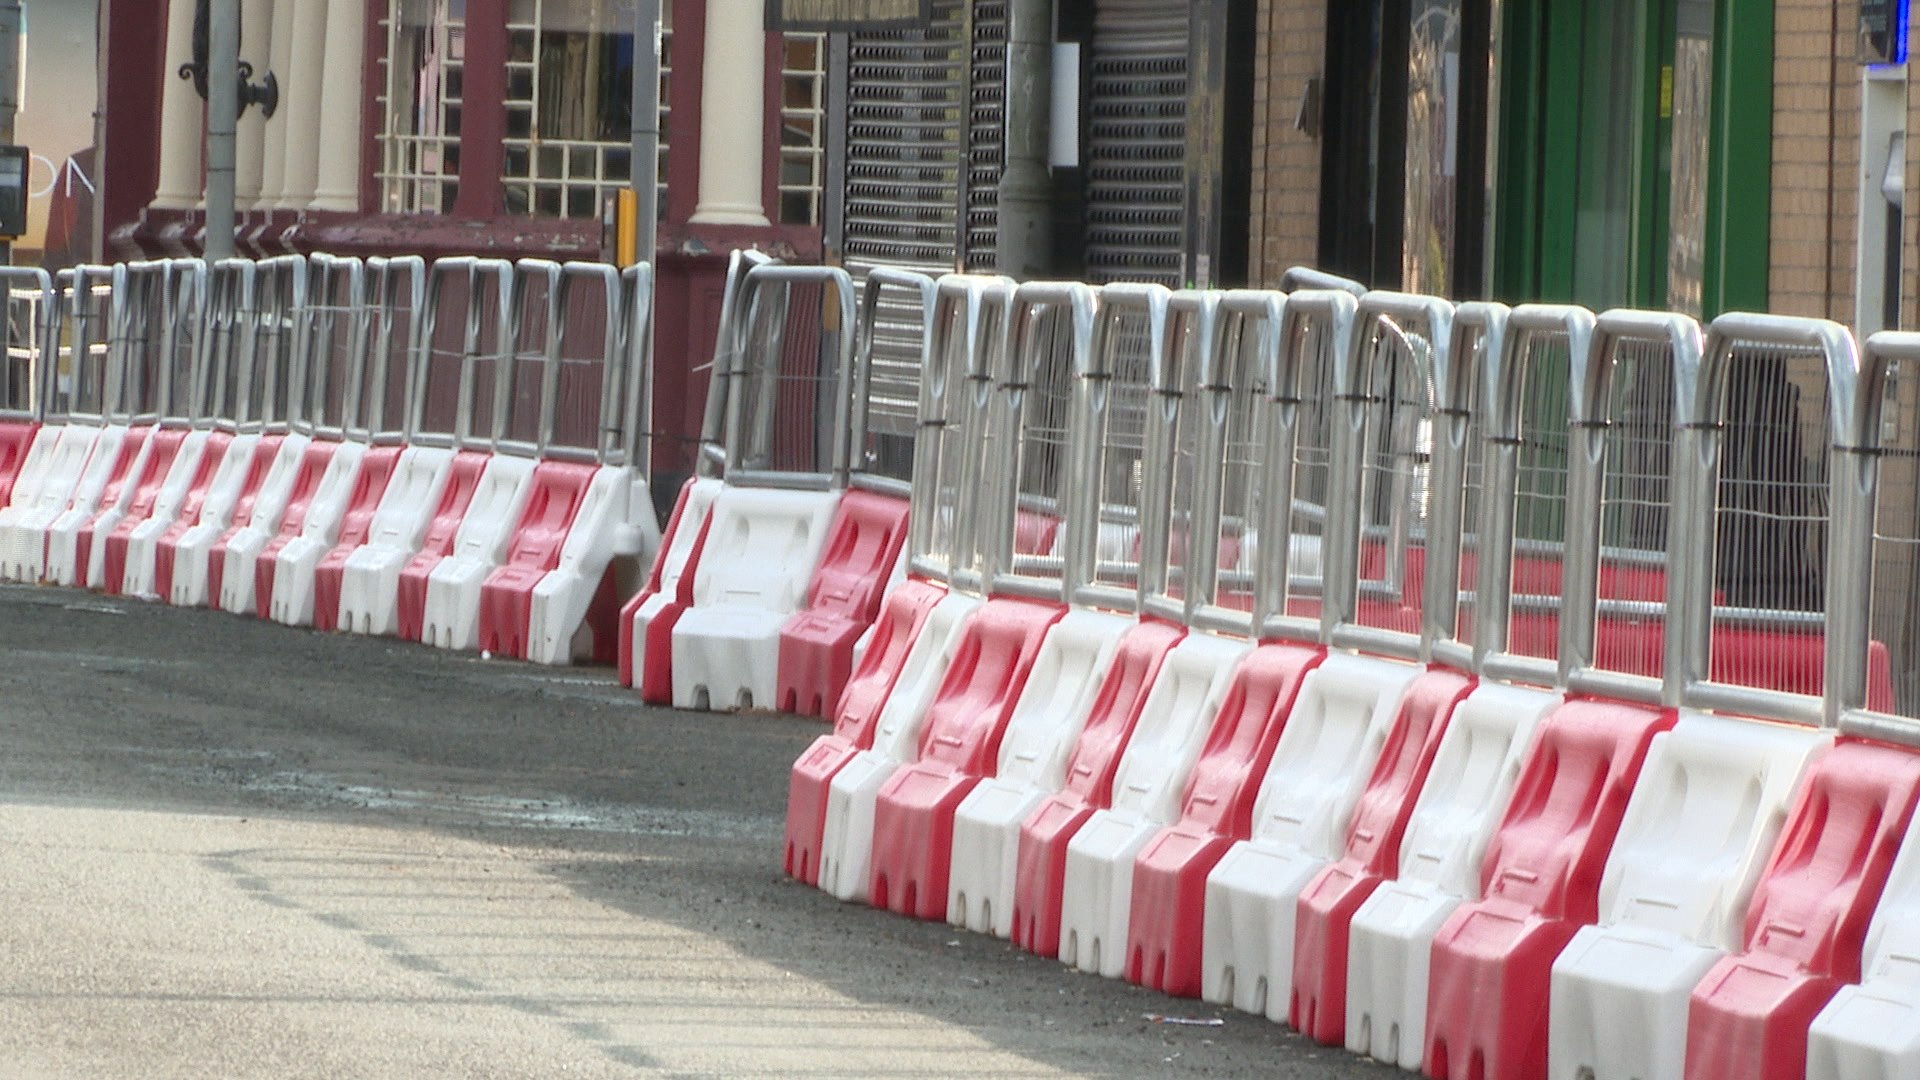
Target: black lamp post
<point>265,94</point>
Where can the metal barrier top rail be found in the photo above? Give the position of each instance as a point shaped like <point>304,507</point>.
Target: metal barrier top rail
<point>956,392</point>
<point>30,358</point>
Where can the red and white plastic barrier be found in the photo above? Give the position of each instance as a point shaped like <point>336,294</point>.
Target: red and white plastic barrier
<point>647,620</point>
<point>1047,720</point>
<point>761,549</point>
<point>143,546</point>
<point>443,524</point>
<point>1170,874</point>
<point>863,554</point>
<point>1097,887</point>
<point>1704,816</point>
<point>361,585</point>
<point>1319,770</point>
<point>40,495</point>
<point>183,565</point>
<point>557,492</point>
<point>1872,1031</point>
<point>285,496</point>
<point>70,537</point>
<point>452,615</point>
<point>285,589</point>
<point>16,440</point>
<point>574,612</point>
<point>1390,938</point>
<point>126,547</point>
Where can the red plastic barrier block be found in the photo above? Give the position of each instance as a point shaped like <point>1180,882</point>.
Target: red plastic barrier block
<point>506,599</point>
<point>1807,921</point>
<point>462,477</point>
<point>15,440</point>
<point>313,465</point>
<point>1041,865</point>
<point>146,490</point>
<point>1034,534</point>
<point>1318,1007</point>
<point>376,469</point>
<point>675,521</point>
<point>1492,960</point>
<point>1170,874</point>
<point>901,620</point>
<point>959,743</point>
<point>816,644</point>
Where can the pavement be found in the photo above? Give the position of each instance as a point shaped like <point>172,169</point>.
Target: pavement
<point>232,849</point>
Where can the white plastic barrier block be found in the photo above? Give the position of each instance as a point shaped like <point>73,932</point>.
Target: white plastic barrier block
<point>453,588</point>
<point>615,519</point>
<point>370,582</point>
<point>1040,736</point>
<point>894,578</point>
<point>846,847</point>
<point>1390,940</point>
<point>762,547</point>
<point>136,577</point>
<point>1320,768</point>
<point>61,531</point>
<point>1096,897</point>
<point>62,552</point>
<point>190,554</point>
<point>32,474</point>
<point>293,567</point>
<point>1872,1031</point>
<point>676,563</point>
<point>40,498</point>
<point>1704,815</point>
<point>269,507</point>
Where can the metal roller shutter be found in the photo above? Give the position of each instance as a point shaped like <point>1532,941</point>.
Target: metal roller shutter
<point>926,115</point>
<point>1137,142</point>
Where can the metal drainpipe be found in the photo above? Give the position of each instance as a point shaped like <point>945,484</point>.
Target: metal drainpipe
<point>1026,187</point>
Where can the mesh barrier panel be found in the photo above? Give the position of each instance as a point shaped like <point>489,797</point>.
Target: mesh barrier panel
<point>894,336</point>
<point>1470,344</point>
<point>22,362</point>
<point>1396,404</point>
<point>534,331</point>
<point>1243,381</point>
<point>1040,427</point>
<point>1770,516</point>
<point>1635,502</point>
<point>80,383</point>
<point>380,398</point>
<point>585,351</point>
<point>1539,503</point>
<point>444,352</point>
<point>954,417</point>
<point>336,332</point>
<point>1190,405</point>
<point>786,384</point>
<point>228,320</point>
<point>1893,601</point>
<point>1313,347</point>
<point>185,339</point>
<point>1124,378</point>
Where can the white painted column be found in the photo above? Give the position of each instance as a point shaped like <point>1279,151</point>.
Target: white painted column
<point>273,152</point>
<point>250,135</point>
<point>304,82</point>
<point>339,141</point>
<point>732,115</point>
<point>181,112</point>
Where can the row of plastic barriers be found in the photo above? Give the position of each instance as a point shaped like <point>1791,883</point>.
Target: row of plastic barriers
<point>450,453</point>
<point>1501,693</point>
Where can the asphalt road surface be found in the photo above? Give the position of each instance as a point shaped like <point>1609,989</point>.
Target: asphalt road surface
<point>231,849</point>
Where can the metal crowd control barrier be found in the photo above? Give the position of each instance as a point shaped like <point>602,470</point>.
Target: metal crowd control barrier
<point>1873,579</point>
<point>888,371</point>
<point>79,383</point>
<point>635,345</point>
<point>335,316</point>
<point>280,336</point>
<point>1301,599</point>
<point>231,364</point>
<point>1237,365</point>
<point>1029,456</point>
<point>1399,391</point>
<point>30,350</point>
<point>1544,354</point>
<point>1774,397</point>
<point>156,327</point>
<point>968,337</point>
<point>570,398</point>
<point>711,459</point>
<point>1297,278</point>
<point>1184,451</point>
<point>453,391</point>
<point>1113,483</point>
<point>395,292</point>
<point>788,402</point>
<point>1479,339</point>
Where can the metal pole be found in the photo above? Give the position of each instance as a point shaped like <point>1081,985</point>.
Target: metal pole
<point>646,127</point>
<point>223,113</point>
<point>9,88</point>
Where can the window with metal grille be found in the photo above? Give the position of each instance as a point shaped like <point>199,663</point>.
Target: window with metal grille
<point>569,105</point>
<point>803,124</point>
<point>421,102</point>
